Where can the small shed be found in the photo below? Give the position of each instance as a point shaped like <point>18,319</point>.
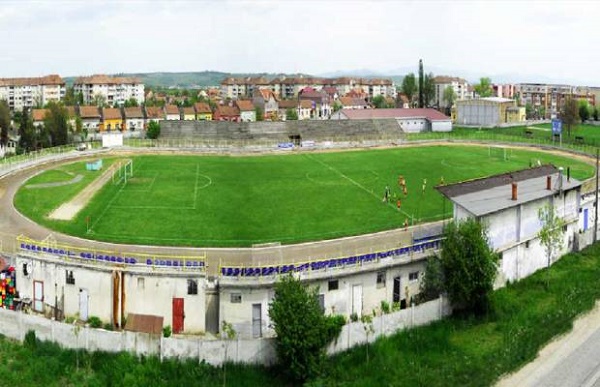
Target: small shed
<point>94,165</point>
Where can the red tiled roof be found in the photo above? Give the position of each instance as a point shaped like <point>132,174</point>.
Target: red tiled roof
<point>46,80</point>
<point>38,114</point>
<point>288,104</point>
<point>349,101</point>
<point>244,105</point>
<point>155,112</point>
<point>89,112</point>
<point>134,112</point>
<point>202,108</point>
<point>306,104</point>
<point>228,111</point>
<point>366,114</point>
<point>189,111</point>
<point>111,114</point>
<point>101,79</point>
<point>172,109</point>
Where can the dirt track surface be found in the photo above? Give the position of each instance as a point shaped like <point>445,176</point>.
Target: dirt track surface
<point>13,224</point>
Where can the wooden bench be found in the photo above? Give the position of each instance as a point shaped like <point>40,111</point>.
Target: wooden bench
<point>579,140</point>
<point>528,134</point>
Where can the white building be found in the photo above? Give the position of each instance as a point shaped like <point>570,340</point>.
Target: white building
<point>22,93</point>
<point>114,90</point>
<point>459,85</point>
<point>509,204</point>
<point>409,120</point>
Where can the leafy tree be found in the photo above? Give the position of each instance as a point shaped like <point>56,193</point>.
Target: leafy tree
<point>260,115</point>
<point>27,134</point>
<point>131,102</point>
<point>70,99</point>
<point>449,96</point>
<point>595,113</point>
<point>4,122</point>
<point>428,89</point>
<point>528,110</point>
<point>337,105</point>
<point>433,281</point>
<point>153,130</point>
<point>409,86</point>
<point>378,102</point>
<point>291,114</point>
<point>484,88</point>
<point>469,266</point>
<point>302,329</point>
<point>584,110</point>
<point>421,85</point>
<point>551,233</point>
<point>56,124</point>
<point>569,113</point>
<point>99,100</point>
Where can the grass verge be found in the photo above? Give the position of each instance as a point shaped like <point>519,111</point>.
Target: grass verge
<point>452,352</point>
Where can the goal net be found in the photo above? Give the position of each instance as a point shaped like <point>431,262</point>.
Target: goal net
<point>500,153</point>
<point>122,172</point>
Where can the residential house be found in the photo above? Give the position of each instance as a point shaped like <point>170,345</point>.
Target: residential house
<point>134,118</point>
<point>409,120</point>
<point>547,100</point>
<point>112,119</point>
<point>37,117</point>
<point>154,114</point>
<point>320,102</point>
<point>173,113</point>
<point>22,93</point>
<point>402,101</point>
<point>90,118</point>
<point>226,113</point>
<point>268,102</point>
<point>305,109</point>
<point>353,103</point>
<point>285,105</point>
<point>247,110</point>
<point>189,114</point>
<point>203,111</point>
<point>509,204</point>
<point>114,90</point>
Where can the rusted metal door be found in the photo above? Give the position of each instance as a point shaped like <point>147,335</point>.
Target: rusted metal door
<point>178,315</point>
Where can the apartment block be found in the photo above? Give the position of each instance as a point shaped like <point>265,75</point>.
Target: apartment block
<point>28,93</point>
<point>114,91</point>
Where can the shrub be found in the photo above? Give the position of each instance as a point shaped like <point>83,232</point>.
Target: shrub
<point>30,340</point>
<point>153,130</point>
<point>385,307</point>
<point>353,317</point>
<point>95,322</point>
<point>167,331</point>
<point>108,326</point>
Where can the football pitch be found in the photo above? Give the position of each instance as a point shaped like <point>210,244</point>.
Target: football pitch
<point>238,201</point>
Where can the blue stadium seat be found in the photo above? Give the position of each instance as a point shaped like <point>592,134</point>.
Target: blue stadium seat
<point>133,261</point>
<point>237,271</point>
<point>223,271</point>
<point>120,259</point>
<point>148,261</point>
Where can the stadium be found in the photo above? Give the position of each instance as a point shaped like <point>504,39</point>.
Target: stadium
<point>196,229</point>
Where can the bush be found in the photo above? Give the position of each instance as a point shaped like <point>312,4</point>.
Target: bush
<point>302,329</point>
<point>153,130</point>
<point>108,326</point>
<point>385,307</point>
<point>95,322</point>
<point>30,340</point>
<point>167,331</point>
<point>353,317</point>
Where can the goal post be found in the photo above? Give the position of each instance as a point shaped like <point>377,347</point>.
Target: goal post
<point>122,172</point>
<point>499,152</point>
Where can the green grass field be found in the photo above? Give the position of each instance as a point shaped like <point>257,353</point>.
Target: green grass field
<point>240,201</point>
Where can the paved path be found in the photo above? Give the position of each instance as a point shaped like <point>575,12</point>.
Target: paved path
<point>572,360</point>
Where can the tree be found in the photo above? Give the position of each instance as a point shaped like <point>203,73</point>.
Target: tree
<point>131,102</point>
<point>528,110</point>
<point>551,233</point>
<point>469,266</point>
<point>301,327</point>
<point>27,135</point>
<point>70,99</point>
<point>433,281</point>
<point>4,122</point>
<point>428,90</point>
<point>291,114</point>
<point>99,100</point>
<point>595,113</point>
<point>569,113</point>
<point>484,88</point>
<point>56,124</point>
<point>260,115</point>
<point>584,110</point>
<point>337,105</point>
<point>421,85</point>
<point>378,101</point>
<point>449,97</point>
<point>409,87</point>
<point>153,130</point>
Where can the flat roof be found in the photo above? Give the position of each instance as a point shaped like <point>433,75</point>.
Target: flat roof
<point>491,194</point>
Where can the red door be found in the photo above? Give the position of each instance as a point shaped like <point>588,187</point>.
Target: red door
<point>178,315</point>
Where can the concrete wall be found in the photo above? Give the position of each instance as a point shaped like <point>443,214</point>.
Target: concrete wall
<point>261,351</point>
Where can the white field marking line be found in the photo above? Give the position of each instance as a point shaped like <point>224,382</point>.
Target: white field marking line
<point>145,189</point>
<point>196,187</point>
<point>312,180</point>
<point>356,184</point>
<point>107,207</point>
<point>153,208</point>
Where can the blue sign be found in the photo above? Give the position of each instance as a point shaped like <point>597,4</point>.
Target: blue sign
<point>556,126</point>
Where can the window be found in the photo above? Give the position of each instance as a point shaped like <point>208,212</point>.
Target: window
<point>236,298</point>
<point>69,277</point>
<point>192,286</point>
<point>381,279</point>
<point>414,276</point>
<point>333,285</point>
<point>140,282</point>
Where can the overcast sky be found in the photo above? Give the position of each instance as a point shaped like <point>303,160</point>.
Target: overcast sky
<point>524,41</point>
